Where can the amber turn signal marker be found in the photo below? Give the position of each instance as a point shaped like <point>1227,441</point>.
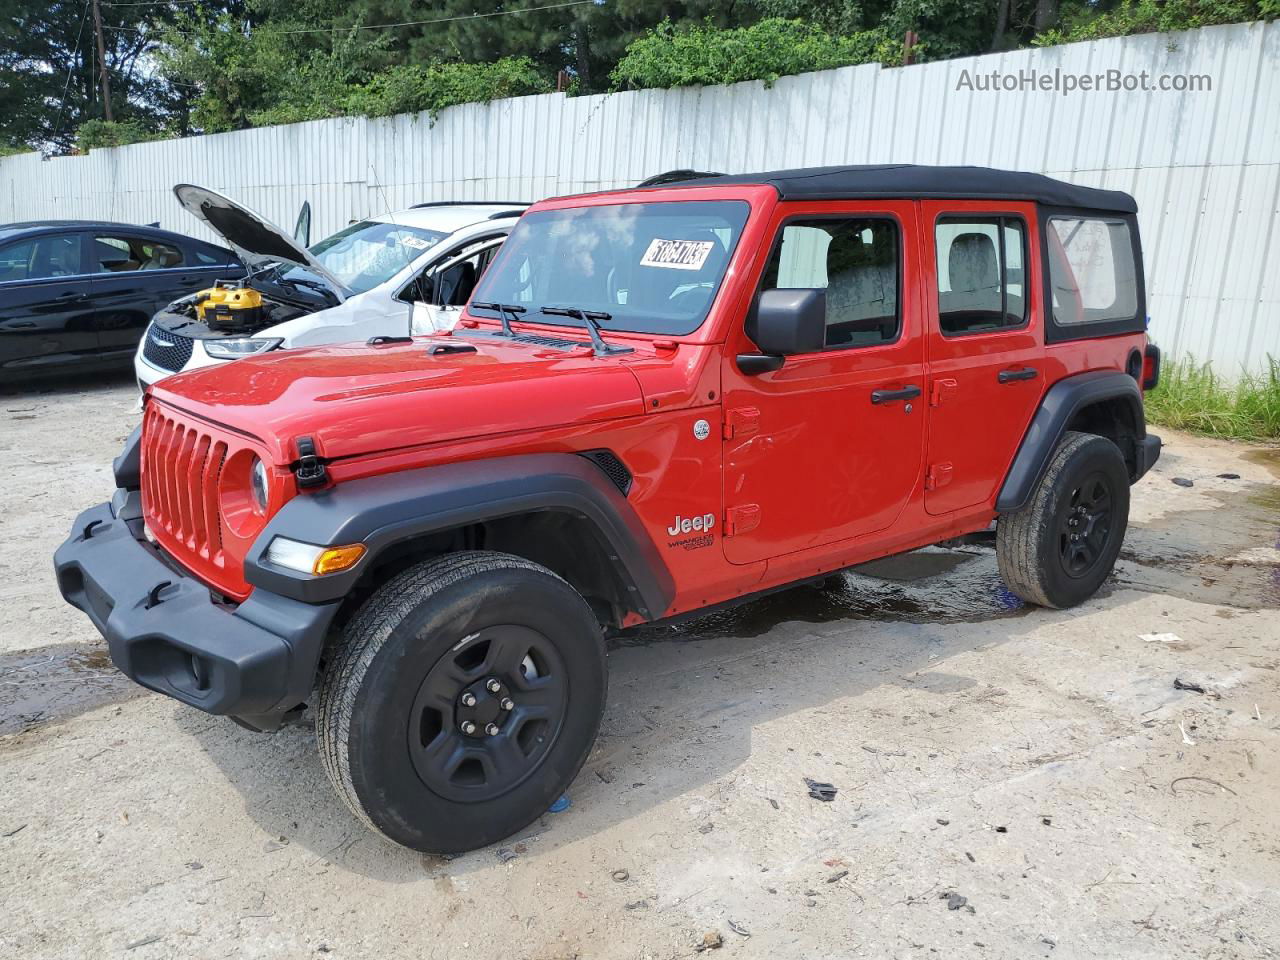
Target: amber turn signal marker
<point>337,559</point>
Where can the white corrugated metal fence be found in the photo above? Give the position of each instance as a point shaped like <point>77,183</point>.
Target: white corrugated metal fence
<point>1204,165</point>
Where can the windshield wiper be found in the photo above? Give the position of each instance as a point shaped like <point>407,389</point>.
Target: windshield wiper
<point>316,285</point>
<point>591,320</point>
<point>502,310</point>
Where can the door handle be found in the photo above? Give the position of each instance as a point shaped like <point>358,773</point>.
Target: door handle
<point>1013,376</point>
<point>889,396</point>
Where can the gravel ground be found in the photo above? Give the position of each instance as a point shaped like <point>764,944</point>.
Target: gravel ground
<point>1011,782</point>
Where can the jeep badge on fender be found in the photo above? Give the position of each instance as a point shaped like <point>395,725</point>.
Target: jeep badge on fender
<point>434,571</point>
<point>689,524</point>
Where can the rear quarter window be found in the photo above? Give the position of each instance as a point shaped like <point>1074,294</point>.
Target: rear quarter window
<point>1092,271</point>
<point>211,256</point>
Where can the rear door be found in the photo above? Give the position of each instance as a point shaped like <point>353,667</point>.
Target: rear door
<point>985,345</point>
<point>133,277</point>
<point>828,447</point>
<point>45,318</point>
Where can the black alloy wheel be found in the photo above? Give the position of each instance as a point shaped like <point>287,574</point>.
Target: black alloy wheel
<point>1084,524</point>
<point>487,713</point>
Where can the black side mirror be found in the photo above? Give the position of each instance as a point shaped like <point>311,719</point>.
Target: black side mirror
<point>785,322</point>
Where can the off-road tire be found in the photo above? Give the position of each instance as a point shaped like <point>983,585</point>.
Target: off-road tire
<point>387,656</point>
<point>1030,542</point>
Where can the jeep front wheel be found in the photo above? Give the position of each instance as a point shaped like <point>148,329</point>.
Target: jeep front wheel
<point>1059,548</point>
<point>463,700</point>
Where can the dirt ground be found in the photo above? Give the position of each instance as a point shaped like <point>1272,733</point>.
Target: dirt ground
<point>1011,782</point>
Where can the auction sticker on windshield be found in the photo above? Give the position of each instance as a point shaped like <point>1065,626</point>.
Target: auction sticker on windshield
<point>677,254</point>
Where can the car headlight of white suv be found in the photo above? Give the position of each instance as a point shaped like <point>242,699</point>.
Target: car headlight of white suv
<point>236,347</point>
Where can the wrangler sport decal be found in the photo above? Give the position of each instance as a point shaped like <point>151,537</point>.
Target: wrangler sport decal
<point>694,531</point>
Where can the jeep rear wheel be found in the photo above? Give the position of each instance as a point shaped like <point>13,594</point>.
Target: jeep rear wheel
<point>1059,548</point>
<point>464,699</point>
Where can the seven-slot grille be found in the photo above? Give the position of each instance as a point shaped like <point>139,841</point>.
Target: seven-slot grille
<point>166,350</point>
<point>181,465</point>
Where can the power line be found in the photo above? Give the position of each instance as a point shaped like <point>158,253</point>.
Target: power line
<point>66,87</point>
<point>406,23</point>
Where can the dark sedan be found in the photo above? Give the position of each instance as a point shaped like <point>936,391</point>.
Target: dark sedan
<point>80,293</point>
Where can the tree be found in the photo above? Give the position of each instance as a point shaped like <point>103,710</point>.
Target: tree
<point>671,56</point>
<point>49,84</point>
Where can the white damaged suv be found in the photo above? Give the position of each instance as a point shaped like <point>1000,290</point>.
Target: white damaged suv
<point>393,275</point>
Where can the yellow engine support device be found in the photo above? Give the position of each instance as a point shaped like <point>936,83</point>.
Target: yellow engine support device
<point>228,305</point>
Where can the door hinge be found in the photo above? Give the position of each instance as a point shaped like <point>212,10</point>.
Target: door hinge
<point>741,519</point>
<point>309,470</point>
<point>943,387</point>
<point>939,475</point>
<point>741,422</point>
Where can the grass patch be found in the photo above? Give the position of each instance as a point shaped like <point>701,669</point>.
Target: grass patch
<point>1191,397</point>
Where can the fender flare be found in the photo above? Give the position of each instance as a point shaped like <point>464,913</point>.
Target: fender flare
<point>1061,402</point>
<point>388,509</point>
<point>126,468</point>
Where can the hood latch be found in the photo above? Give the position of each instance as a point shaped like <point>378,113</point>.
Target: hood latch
<point>309,470</point>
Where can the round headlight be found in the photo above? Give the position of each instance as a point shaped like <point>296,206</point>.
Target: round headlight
<point>258,483</point>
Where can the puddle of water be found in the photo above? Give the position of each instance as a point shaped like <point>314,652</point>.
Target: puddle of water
<point>927,586</point>
<point>1268,497</point>
<point>1268,457</point>
<point>1192,554</point>
<point>53,683</point>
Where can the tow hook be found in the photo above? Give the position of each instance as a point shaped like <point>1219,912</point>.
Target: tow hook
<point>309,470</point>
<point>153,597</point>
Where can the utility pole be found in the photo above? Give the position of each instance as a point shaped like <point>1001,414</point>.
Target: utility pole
<point>102,63</point>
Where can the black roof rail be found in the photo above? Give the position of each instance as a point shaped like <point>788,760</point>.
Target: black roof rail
<point>506,213</point>
<point>676,176</point>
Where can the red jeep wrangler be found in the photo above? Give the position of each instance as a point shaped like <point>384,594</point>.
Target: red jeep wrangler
<point>659,400</point>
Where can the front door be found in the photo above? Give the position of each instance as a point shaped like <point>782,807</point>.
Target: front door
<point>985,345</point>
<point>828,447</point>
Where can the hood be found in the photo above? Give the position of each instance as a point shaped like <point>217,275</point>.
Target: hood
<point>256,240</point>
<point>356,399</point>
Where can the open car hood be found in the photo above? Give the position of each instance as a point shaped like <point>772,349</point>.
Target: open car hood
<point>256,240</point>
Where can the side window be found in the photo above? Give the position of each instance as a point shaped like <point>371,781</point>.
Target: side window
<point>117,254</point>
<point>1091,270</point>
<point>982,276</point>
<point>210,257</point>
<point>41,258</point>
<point>856,262</point>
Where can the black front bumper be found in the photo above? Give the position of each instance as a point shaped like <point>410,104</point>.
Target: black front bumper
<point>254,661</point>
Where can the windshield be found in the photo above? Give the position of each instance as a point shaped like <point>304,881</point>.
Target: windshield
<point>653,267</point>
<point>368,253</point>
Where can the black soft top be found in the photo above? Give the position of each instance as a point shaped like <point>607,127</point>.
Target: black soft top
<point>907,180</point>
